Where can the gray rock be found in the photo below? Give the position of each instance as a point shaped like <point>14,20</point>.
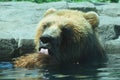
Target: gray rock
<point>57,5</point>
<point>24,46</point>
<point>109,32</point>
<point>84,6</point>
<point>7,47</point>
<point>113,46</point>
<point>111,9</point>
<point>16,18</point>
<point>106,28</point>
<point>10,48</point>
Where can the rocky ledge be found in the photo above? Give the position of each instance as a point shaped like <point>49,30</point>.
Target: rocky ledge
<point>18,21</point>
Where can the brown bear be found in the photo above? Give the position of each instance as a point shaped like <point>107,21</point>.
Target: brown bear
<point>65,37</point>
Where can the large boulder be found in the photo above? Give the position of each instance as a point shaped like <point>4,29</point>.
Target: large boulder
<point>84,6</point>
<point>110,9</point>
<point>109,28</point>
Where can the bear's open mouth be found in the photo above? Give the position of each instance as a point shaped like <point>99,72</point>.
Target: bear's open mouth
<point>45,51</point>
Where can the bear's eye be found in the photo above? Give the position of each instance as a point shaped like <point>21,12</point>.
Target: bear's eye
<point>66,31</point>
<point>46,25</point>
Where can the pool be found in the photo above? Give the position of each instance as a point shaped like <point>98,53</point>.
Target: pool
<point>107,71</point>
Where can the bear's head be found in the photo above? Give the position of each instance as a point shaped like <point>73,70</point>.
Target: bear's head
<point>68,35</point>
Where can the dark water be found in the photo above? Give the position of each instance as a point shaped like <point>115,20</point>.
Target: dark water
<point>107,71</point>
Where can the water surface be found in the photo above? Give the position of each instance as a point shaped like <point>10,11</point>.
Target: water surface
<point>107,71</point>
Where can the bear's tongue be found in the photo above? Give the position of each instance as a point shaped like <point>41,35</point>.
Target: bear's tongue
<point>44,51</point>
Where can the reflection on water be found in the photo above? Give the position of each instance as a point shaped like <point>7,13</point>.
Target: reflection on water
<point>108,71</point>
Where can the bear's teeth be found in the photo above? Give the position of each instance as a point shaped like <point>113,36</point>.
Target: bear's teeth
<point>44,51</point>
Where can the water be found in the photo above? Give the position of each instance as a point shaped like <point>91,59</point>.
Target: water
<point>108,71</point>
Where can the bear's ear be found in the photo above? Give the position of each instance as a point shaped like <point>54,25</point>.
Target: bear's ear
<point>92,18</point>
<point>50,11</point>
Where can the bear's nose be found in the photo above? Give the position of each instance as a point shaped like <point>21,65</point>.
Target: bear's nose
<point>46,38</point>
